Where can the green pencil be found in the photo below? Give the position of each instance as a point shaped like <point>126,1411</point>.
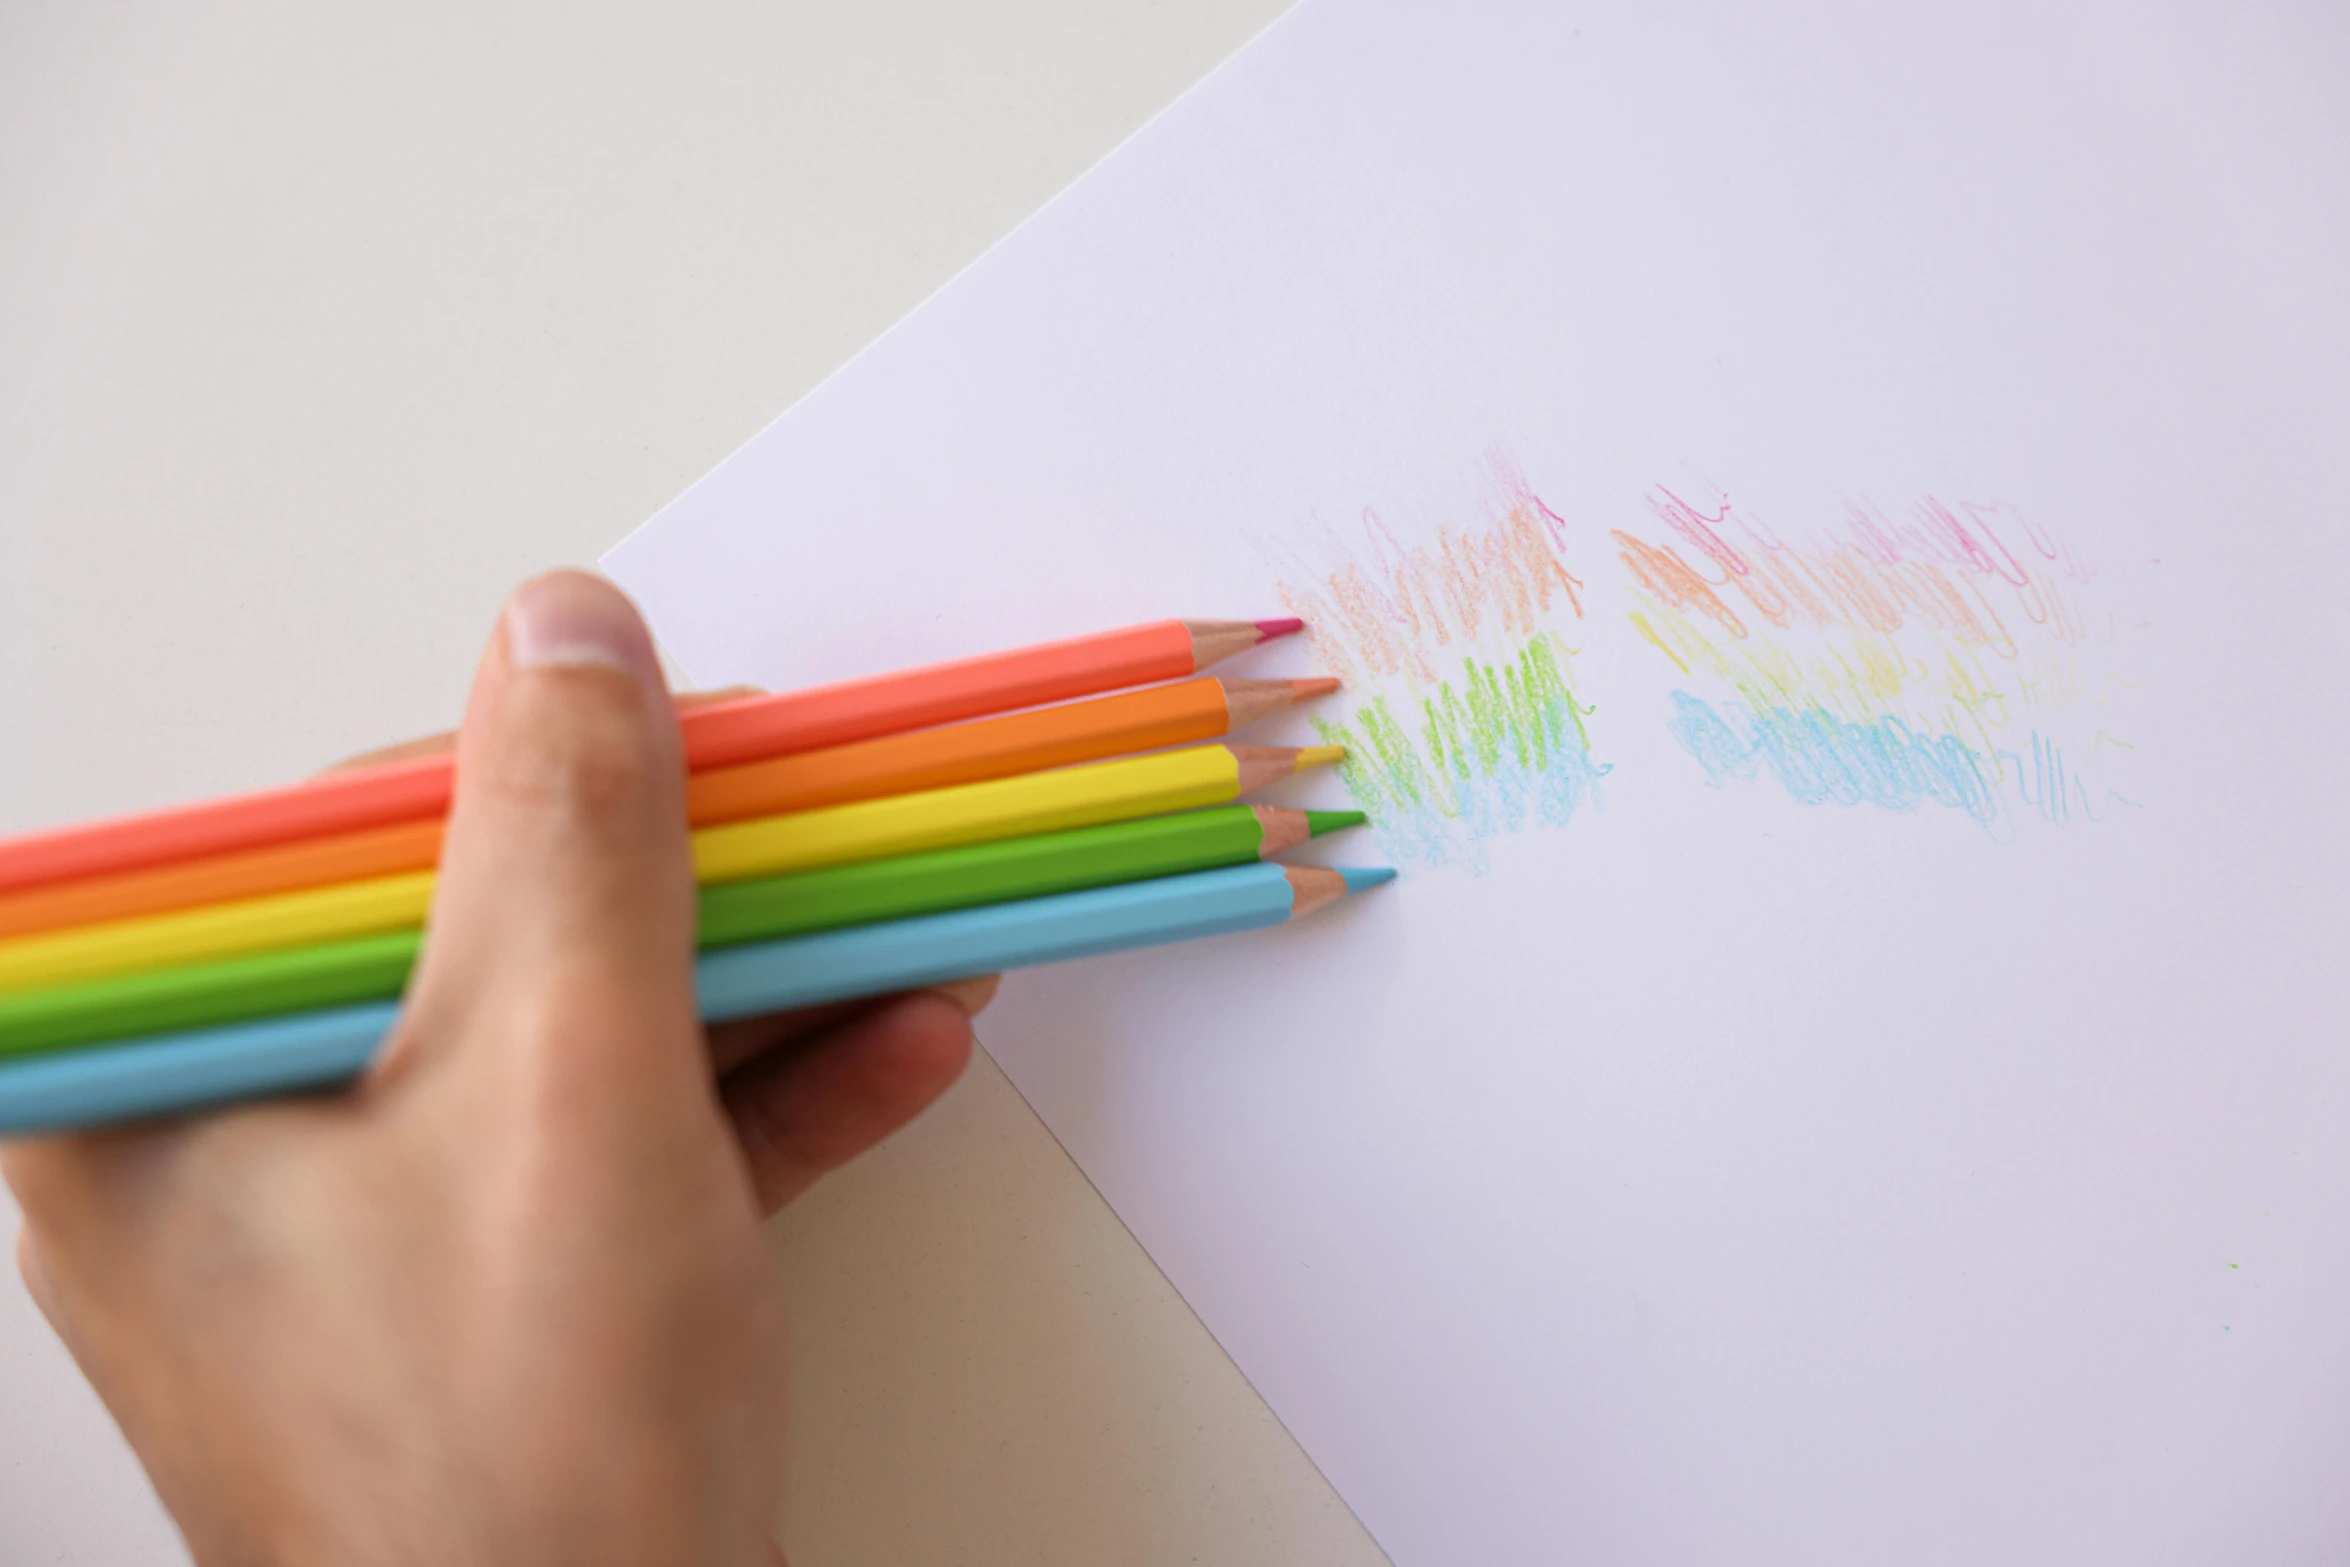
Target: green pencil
<point>373,968</point>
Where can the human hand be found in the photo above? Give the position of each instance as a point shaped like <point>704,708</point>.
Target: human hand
<point>505,1301</point>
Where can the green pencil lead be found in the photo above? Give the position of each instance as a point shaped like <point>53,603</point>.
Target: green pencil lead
<point>1320,822</point>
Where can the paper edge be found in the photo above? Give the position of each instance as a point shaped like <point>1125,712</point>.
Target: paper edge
<point>611,562</point>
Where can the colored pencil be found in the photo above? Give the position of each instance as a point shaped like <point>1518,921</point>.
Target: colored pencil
<point>222,878</point>
<point>873,960</point>
<point>375,968</point>
<point>998,808</point>
<point>769,846</point>
<point>719,735</point>
<point>1002,747</point>
<point>204,995</point>
<point>172,1073</point>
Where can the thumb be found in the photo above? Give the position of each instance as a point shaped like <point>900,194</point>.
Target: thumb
<point>564,915</point>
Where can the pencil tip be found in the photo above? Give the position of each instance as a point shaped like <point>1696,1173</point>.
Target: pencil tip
<point>1320,822</point>
<point>1362,878</point>
<point>1313,685</point>
<point>1267,630</point>
<point>1319,756</point>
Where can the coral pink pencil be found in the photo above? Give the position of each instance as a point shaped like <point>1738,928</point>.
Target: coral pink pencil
<point>715,736</point>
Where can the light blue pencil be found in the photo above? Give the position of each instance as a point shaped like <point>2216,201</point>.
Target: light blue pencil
<point>167,1074</point>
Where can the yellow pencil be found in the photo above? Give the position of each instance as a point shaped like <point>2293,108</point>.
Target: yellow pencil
<point>769,846</point>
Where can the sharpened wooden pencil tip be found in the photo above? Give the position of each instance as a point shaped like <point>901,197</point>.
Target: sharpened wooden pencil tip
<point>1281,829</point>
<point>1267,630</point>
<point>1314,685</point>
<point>1311,887</point>
<point>1246,701</point>
<point>1263,764</point>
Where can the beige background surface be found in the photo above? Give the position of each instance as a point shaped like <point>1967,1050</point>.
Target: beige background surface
<point>320,325</point>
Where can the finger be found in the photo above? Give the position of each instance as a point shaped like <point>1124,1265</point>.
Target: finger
<point>446,740</point>
<point>40,1282</point>
<point>43,1265</point>
<point>564,915</point>
<point>35,1275</point>
<point>58,1180</point>
<point>804,1112</point>
<point>734,1044</point>
<point>973,994</point>
<point>385,755</point>
<point>742,1040</point>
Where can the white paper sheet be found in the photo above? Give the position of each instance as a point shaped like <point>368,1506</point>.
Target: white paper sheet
<point>1854,1070</point>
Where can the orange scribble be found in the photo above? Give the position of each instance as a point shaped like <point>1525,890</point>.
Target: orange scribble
<point>1385,612</point>
<point>1662,571</point>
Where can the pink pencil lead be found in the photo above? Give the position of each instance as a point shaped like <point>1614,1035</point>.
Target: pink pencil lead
<point>1267,630</point>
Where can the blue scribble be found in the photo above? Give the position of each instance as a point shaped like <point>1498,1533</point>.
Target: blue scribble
<point>1820,758</point>
<point>1480,806</point>
<point>2051,789</point>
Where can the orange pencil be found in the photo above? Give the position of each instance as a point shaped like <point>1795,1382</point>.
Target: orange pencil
<point>715,736</point>
<point>1088,731</point>
<point>185,884</point>
<point>1000,747</point>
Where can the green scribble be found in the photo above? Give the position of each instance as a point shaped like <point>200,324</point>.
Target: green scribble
<point>1496,746</point>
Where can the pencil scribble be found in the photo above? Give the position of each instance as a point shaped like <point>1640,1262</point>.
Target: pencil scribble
<point>1886,663</point>
<point>1465,724</point>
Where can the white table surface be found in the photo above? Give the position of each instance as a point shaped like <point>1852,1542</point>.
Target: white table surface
<point>322,325</point>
